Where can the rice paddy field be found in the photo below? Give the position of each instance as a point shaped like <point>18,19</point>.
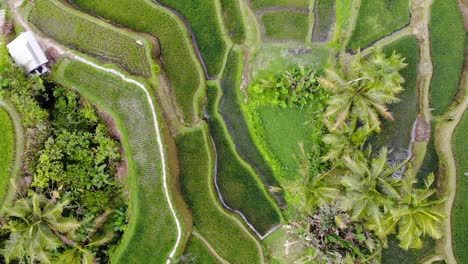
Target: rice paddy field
<point>178,58</point>
<point>91,36</point>
<point>261,4</point>
<point>202,17</point>
<point>196,252</point>
<point>233,20</point>
<point>151,233</point>
<point>324,20</point>
<point>460,208</point>
<point>378,18</point>
<point>285,25</point>
<point>448,42</point>
<point>7,149</point>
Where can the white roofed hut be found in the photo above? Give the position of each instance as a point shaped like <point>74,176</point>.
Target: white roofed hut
<point>27,53</point>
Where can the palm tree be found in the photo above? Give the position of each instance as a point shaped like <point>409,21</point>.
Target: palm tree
<point>363,92</point>
<point>35,224</point>
<point>83,254</point>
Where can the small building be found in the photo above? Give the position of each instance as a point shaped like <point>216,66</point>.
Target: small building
<point>27,53</point>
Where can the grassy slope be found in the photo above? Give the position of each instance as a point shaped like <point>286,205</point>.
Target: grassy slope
<point>196,252</point>
<point>460,209</point>
<point>7,144</point>
<point>238,183</point>
<point>378,18</point>
<point>196,173</point>
<point>180,63</point>
<point>201,15</point>
<point>232,18</point>
<point>260,4</point>
<point>91,36</point>
<point>284,25</point>
<point>151,233</point>
<point>325,10</point>
<point>448,42</point>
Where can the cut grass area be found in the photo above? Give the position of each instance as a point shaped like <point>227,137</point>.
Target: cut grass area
<point>201,15</point>
<point>196,252</point>
<point>448,41</point>
<point>239,185</point>
<point>460,207</point>
<point>260,4</point>
<point>7,148</point>
<point>235,118</point>
<point>151,233</point>
<point>397,134</point>
<point>285,25</point>
<point>378,18</point>
<point>220,228</point>
<point>178,58</point>
<point>324,20</point>
<point>233,20</point>
<point>91,36</point>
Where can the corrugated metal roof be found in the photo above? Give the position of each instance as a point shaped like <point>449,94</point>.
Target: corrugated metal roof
<point>26,51</point>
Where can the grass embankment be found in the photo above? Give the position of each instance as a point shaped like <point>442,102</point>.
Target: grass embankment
<point>239,185</point>
<point>202,17</point>
<point>460,208</point>
<point>196,252</point>
<point>343,12</point>
<point>448,41</point>
<point>286,25</point>
<point>7,145</point>
<point>378,18</point>
<point>260,4</point>
<point>397,134</point>
<point>233,20</point>
<point>179,60</point>
<point>91,36</point>
<point>221,229</point>
<point>151,233</point>
<point>324,19</point>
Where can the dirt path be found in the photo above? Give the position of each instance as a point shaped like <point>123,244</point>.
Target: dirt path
<point>210,248</point>
<point>387,40</point>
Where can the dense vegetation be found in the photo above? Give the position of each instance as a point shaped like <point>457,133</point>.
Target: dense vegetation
<point>225,234</point>
<point>129,107</point>
<point>90,36</point>
<point>7,148</point>
<point>448,42</point>
<point>178,56</point>
<point>203,20</point>
<point>286,25</point>
<point>378,18</point>
<point>260,4</point>
<point>324,19</point>
<point>232,18</point>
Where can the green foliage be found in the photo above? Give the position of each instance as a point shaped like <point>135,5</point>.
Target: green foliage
<point>460,210</point>
<point>286,25</point>
<point>448,42</point>
<point>213,222</point>
<point>260,4</point>
<point>378,18</point>
<point>179,61</point>
<point>324,20</point>
<point>196,252</point>
<point>151,232</point>
<point>7,148</point>
<point>233,20</point>
<point>87,35</point>
<point>202,17</point>
<point>240,186</point>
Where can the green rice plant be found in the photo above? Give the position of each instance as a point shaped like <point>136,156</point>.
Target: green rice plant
<point>286,25</point>
<point>178,58</point>
<point>221,229</point>
<point>378,18</point>
<point>448,42</point>
<point>91,36</point>
<point>239,185</point>
<point>7,149</point>
<point>260,4</point>
<point>196,252</point>
<point>202,17</point>
<point>394,254</point>
<point>324,19</point>
<point>460,208</point>
<point>397,134</point>
<point>233,20</point>
<point>151,233</point>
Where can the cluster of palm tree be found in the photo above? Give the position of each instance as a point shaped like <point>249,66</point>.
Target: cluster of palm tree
<point>362,182</point>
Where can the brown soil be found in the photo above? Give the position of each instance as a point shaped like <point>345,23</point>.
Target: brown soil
<point>423,130</point>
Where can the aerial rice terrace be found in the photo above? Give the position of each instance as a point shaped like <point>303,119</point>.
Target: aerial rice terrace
<point>233,131</point>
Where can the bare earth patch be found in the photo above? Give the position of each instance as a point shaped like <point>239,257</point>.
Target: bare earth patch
<point>423,130</point>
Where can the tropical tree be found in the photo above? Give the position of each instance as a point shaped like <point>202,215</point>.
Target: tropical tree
<point>83,254</point>
<point>363,92</point>
<point>35,224</point>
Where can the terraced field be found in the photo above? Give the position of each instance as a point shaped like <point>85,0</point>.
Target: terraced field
<point>260,4</point>
<point>7,149</point>
<point>233,20</point>
<point>324,20</point>
<point>285,25</point>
